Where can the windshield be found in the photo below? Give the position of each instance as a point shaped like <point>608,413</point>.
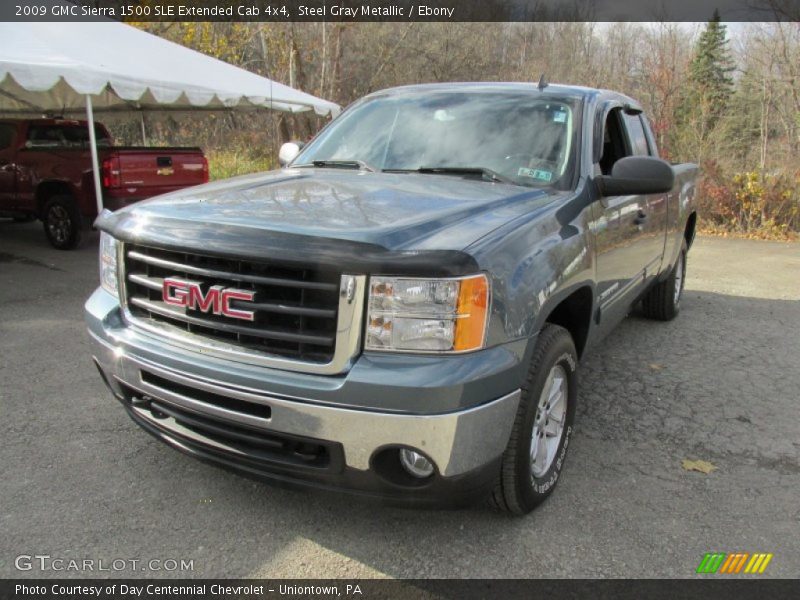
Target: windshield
<point>523,137</point>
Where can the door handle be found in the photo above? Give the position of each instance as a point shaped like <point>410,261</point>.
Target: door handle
<point>641,217</point>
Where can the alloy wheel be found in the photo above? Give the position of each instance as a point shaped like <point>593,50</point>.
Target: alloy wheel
<point>548,425</point>
<point>59,223</point>
<point>678,280</point>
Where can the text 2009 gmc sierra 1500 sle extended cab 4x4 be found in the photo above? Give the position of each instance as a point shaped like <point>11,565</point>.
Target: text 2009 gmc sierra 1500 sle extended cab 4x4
<point>46,173</point>
<point>399,312</point>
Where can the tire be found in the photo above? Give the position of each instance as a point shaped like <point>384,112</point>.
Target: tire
<point>663,301</point>
<point>63,224</point>
<point>524,481</point>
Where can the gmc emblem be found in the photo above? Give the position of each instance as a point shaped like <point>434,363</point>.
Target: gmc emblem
<point>189,294</point>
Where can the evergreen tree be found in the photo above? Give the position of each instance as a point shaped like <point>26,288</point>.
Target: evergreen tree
<point>706,95</point>
<point>711,67</point>
<point>742,125</point>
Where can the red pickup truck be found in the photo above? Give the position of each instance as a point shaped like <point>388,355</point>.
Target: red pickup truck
<point>46,173</point>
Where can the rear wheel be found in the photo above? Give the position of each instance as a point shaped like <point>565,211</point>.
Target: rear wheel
<point>62,223</point>
<point>663,301</point>
<point>537,448</point>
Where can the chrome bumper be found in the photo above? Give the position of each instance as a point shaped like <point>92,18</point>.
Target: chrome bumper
<point>457,442</point>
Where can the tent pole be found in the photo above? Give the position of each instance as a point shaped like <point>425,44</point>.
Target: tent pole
<point>144,128</point>
<point>98,189</point>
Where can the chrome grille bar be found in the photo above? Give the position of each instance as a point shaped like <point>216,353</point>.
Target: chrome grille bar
<point>156,283</point>
<point>227,275</point>
<point>160,309</point>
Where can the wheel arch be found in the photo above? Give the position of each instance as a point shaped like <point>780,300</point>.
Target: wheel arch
<point>573,313</point>
<point>48,189</point>
<point>690,229</point>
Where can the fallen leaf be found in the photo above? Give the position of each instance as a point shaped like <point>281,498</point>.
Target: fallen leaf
<point>701,466</point>
<point>655,367</point>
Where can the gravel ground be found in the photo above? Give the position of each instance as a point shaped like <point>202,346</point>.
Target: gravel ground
<point>719,384</point>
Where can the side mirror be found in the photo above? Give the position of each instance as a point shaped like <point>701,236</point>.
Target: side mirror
<point>289,152</point>
<point>634,175</point>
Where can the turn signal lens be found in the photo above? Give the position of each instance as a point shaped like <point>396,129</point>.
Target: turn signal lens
<point>473,305</point>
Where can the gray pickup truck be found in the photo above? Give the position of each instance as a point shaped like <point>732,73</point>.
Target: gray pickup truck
<point>399,311</point>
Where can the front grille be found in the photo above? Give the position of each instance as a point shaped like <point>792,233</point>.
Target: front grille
<point>295,309</point>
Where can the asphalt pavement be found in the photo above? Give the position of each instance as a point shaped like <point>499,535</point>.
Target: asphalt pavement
<point>720,384</point>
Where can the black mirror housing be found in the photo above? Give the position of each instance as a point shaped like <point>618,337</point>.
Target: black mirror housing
<point>634,175</point>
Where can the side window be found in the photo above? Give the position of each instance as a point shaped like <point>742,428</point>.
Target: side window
<point>636,135</point>
<point>44,136</point>
<point>48,136</point>
<point>614,146</point>
<point>6,135</point>
<point>648,131</point>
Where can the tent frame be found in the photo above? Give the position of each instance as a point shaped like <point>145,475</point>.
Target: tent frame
<point>98,188</point>
<point>43,58</point>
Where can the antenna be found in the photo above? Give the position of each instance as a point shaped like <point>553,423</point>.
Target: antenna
<point>542,82</point>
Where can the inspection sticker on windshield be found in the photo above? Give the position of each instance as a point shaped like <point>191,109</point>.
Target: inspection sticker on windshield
<point>535,174</point>
<point>560,116</point>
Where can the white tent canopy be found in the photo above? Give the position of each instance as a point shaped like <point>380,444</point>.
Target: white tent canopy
<point>53,66</point>
<point>108,65</point>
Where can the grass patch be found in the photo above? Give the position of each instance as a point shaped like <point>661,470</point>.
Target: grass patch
<point>223,164</point>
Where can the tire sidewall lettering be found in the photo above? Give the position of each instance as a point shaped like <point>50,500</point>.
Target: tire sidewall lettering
<point>544,487</point>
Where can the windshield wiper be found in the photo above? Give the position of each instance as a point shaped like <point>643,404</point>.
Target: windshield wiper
<point>339,164</point>
<point>482,171</point>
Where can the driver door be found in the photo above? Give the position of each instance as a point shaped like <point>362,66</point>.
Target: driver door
<point>620,231</point>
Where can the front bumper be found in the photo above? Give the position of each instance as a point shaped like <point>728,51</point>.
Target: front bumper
<point>198,404</point>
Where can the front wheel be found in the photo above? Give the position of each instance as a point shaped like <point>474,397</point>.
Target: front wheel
<point>535,454</point>
<point>63,225</point>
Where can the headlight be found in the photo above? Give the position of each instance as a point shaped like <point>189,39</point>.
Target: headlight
<point>427,315</point>
<point>108,263</point>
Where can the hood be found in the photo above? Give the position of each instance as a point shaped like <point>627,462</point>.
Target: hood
<point>315,211</point>
<point>395,211</point>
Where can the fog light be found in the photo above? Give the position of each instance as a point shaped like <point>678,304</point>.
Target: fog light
<point>415,463</point>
